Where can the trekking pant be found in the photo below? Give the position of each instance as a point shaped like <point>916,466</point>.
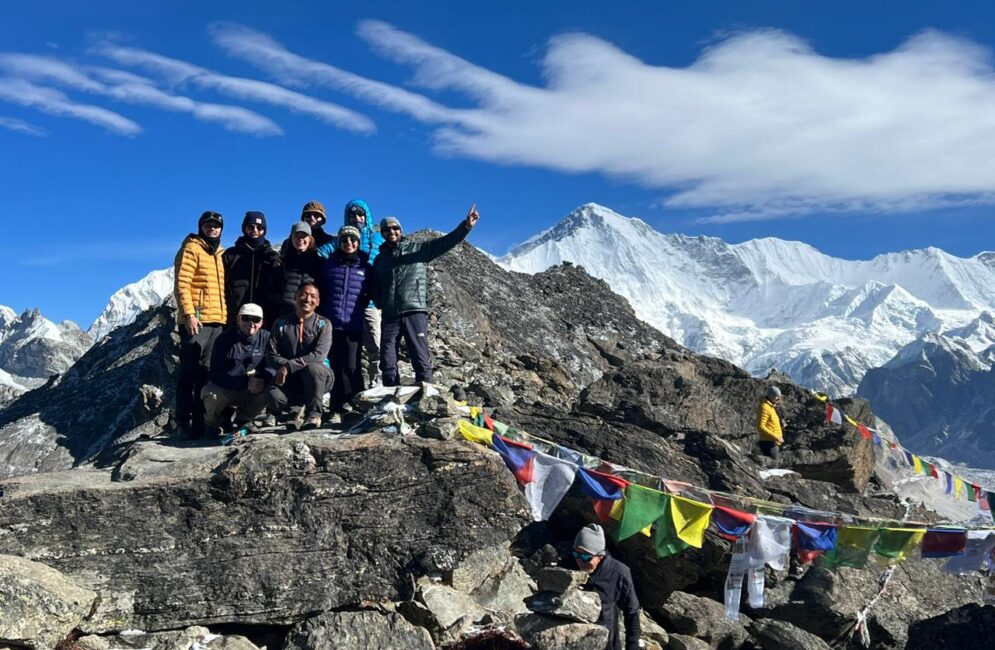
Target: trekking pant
<point>305,386</point>
<point>371,343</point>
<point>770,448</point>
<point>191,376</point>
<point>217,399</point>
<point>414,329</point>
<point>346,368</point>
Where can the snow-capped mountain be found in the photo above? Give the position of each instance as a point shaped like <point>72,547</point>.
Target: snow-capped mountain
<point>33,348</point>
<point>769,303</point>
<point>131,300</point>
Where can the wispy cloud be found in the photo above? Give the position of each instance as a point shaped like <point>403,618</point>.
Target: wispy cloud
<point>180,73</point>
<point>760,126</point>
<point>130,88</point>
<point>20,126</point>
<point>51,101</point>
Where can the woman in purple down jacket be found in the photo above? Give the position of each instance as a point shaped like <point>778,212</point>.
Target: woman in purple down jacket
<point>345,286</point>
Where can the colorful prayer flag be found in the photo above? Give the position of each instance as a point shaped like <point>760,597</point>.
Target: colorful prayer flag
<point>833,414</point>
<point>690,519</point>
<point>916,464</point>
<point>865,433</point>
<point>551,480</point>
<point>812,539</point>
<point>895,543</point>
<point>643,506</point>
<point>950,482</point>
<point>958,486</point>
<point>770,542</point>
<point>853,545</point>
<point>476,434</point>
<point>976,553</point>
<point>932,471</point>
<point>941,542</point>
<point>732,524</point>
<point>517,456</point>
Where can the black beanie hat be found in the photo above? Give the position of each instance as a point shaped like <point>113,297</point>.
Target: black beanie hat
<point>211,216</point>
<point>254,217</point>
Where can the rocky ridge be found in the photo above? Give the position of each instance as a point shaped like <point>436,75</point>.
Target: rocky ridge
<point>320,540</point>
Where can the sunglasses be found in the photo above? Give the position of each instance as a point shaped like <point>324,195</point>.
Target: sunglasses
<point>587,557</point>
<point>251,319</point>
<point>348,238</point>
<point>356,211</point>
<point>212,224</point>
<point>397,228</point>
<point>312,215</point>
<point>253,226</point>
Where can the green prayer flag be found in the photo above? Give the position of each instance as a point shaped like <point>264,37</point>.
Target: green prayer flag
<point>665,538</point>
<point>971,496</point>
<point>643,506</point>
<point>853,545</point>
<point>895,543</point>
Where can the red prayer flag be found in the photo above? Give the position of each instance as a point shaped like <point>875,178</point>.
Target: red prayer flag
<point>932,471</point>
<point>864,432</point>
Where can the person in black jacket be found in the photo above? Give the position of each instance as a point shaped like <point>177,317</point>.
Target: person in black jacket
<point>613,583</point>
<point>400,290</point>
<point>251,266</point>
<point>299,264</point>
<point>239,373</point>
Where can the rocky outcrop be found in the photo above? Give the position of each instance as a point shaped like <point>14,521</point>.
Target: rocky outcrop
<point>363,630</point>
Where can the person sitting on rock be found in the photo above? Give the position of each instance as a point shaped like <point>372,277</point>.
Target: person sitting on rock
<point>250,269</point>
<point>612,581</point>
<point>401,291</point>
<point>201,313</point>
<point>298,350</point>
<point>769,423</point>
<point>239,373</point>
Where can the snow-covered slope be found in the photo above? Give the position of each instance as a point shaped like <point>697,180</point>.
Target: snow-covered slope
<point>769,303</point>
<point>33,348</point>
<point>131,300</point>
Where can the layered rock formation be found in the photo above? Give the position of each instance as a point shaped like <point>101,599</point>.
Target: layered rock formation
<point>321,540</point>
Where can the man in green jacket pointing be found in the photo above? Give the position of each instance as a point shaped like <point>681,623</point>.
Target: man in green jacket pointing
<point>401,291</point>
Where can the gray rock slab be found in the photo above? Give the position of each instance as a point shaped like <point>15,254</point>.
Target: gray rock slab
<point>574,605</point>
<point>39,606</point>
<point>552,633</point>
<point>365,630</point>
<point>775,635</point>
<point>560,580</point>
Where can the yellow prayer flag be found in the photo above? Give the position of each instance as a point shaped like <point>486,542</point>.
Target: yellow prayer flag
<point>821,397</point>
<point>474,412</point>
<point>916,464</point>
<point>691,518</point>
<point>958,486</point>
<point>618,507</point>
<point>476,434</point>
<point>851,421</point>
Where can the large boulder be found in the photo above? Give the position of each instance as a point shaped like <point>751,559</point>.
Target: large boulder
<point>363,630</point>
<point>39,606</point>
<point>969,627</point>
<point>265,533</point>
<point>703,618</point>
<point>553,633</point>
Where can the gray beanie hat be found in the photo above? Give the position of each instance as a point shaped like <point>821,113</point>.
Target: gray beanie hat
<point>591,538</point>
<point>387,221</point>
<point>773,391</point>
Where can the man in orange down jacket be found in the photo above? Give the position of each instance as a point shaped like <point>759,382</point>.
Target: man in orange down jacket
<point>769,423</point>
<point>201,313</point>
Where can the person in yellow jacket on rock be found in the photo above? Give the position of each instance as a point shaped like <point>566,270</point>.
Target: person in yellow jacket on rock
<point>201,313</point>
<point>769,423</point>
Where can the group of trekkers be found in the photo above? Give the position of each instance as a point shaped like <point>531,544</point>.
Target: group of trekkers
<point>266,328</point>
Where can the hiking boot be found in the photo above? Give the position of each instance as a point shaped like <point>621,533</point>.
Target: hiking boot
<point>268,420</point>
<point>312,421</point>
<point>296,421</point>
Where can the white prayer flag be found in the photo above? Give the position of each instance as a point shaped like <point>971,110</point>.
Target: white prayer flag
<point>551,479</point>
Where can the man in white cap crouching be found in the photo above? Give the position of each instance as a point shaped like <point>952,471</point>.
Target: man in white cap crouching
<point>613,583</point>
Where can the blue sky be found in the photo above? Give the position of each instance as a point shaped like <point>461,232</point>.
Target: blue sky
<point>858,127</point>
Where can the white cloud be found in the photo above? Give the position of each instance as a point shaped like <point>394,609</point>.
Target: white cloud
<point>20,126</point>
<point>134,89</point>
<point>760,126</point>
<point>177,73</point>
<point>54,102</point>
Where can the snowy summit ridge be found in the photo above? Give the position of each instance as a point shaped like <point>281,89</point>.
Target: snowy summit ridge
<point>769,303</point>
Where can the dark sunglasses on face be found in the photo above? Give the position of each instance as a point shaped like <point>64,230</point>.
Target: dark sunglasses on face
<point>347,238</point>
<point>212,224</point>
<point>253,226</point>
<point>396,228</point>
<point>251,319</point>
<point>356,211</point>
<point>311,215</point>
<point>587,557</point>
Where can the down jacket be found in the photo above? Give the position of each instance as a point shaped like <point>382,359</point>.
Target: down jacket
<point>234,355</point>
<point>401,275</point>
<point>250,276</point>
<point>345,290</point>
<point>199,282</point>
<point>296,269</point>
<point>768,423</point>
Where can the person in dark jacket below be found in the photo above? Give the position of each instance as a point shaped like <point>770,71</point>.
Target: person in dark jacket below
<point>345,283</point>
<point>401,292</point>
<point>250,269</point>
<point>299,264</point>
<point>298,350</point>
<point>239,374</point>
<point>613,583</point>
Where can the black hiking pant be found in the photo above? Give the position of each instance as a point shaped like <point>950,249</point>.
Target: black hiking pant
<point>305,386</point>
<point>193,373</point>
<point>771,449</point>
<point>414,329</point>
<point>347,371</point>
